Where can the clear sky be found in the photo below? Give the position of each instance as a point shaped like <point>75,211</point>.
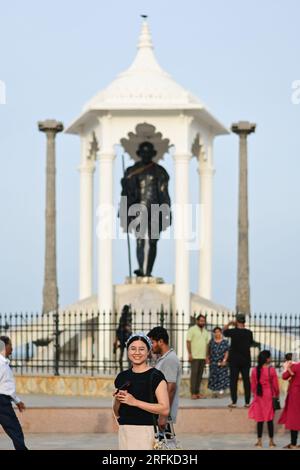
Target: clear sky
<point>239,58</point>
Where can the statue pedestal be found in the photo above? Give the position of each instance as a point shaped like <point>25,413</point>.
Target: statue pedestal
<point>144,294</point>
<point>144,280</point>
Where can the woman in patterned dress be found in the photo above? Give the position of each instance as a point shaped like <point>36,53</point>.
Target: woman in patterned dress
<point>218,369</point>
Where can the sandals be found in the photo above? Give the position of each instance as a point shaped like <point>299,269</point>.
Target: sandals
<point>290,446</point>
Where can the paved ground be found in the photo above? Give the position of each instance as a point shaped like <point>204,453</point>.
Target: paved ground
<point>109,442</point>
<point>42,401</point>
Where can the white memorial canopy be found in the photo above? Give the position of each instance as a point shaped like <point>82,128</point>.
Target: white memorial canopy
<point>145,94</point>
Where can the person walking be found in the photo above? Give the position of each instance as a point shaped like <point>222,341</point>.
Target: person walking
<point>218,380</point>
<point>123,332</point>
<point>290,416</point>
<point>140,397</point>
<point>168,363</point>
<point>8,418</point>
<point>239,357</point>
<point>197,343</point>
<point>264,386</point>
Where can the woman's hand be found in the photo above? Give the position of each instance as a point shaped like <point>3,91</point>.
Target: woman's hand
<point>126,398</point>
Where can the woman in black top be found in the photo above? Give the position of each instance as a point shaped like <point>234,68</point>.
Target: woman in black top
<point>140,397</point>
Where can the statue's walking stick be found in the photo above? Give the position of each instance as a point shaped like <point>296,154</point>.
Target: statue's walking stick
<point>128,239</point>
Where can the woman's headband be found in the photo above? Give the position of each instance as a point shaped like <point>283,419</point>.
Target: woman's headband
<point>139,335</point>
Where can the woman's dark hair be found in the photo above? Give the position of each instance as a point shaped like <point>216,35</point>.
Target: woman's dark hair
<point>262,359</point>
<point>139,338</point>
<point>216,328</point>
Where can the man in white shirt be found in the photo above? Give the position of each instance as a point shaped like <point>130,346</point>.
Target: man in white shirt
<point>8,418</point>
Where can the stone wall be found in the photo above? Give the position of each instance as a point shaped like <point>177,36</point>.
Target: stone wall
<point>86,386</point>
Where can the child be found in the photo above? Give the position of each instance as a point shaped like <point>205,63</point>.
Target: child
<point>288,364</point>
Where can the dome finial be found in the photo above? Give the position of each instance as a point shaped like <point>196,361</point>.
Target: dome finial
<point>145,39</point>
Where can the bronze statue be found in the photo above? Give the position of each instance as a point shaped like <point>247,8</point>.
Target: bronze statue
<point>145,185</point>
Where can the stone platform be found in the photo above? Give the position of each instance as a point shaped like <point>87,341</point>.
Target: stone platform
<point>146,294</point>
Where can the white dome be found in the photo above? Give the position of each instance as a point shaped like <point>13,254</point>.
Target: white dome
<point>144,85</point>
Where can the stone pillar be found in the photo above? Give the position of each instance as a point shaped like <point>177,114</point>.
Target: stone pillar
<point>242,129</point>
<point>86,169</point>
<point>182,278</point>
<point>50,291</point>
<point>206,173</point>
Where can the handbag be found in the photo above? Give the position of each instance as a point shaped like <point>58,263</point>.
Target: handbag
<point>276,403</point>
<point>163,439</point>
<point>166,440</point>
<point>275,400</point>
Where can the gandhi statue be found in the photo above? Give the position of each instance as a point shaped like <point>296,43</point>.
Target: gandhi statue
<point>145,210</point>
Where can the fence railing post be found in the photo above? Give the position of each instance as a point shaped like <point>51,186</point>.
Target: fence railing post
<point>162,316</point>
<point>56,343</point>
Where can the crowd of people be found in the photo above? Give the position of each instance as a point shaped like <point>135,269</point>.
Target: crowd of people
<point>146,398</point>
<point>227,361</point>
